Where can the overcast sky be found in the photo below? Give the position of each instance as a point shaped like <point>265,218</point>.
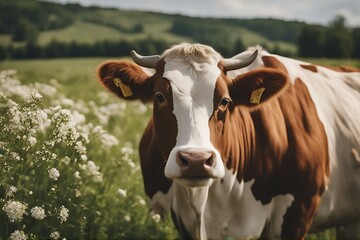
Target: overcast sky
<point>310,11</point>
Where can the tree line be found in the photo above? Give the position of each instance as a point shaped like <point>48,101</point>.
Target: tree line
<point>23,18</point>
<point>57,49</point>
<point>335,41</point>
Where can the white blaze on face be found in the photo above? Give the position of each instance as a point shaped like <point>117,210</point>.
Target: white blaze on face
<point>193,92</point>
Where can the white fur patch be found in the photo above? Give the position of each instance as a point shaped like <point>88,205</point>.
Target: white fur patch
<point>193,92</point>
<point>229,210</point>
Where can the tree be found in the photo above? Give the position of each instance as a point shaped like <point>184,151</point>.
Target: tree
<point>311,41</point>
<point>339,42</point>
<point>356,41</point>
<point>3,53</point>
<point>239,46</point>
<point>25,31</point>
<point>138,28</point>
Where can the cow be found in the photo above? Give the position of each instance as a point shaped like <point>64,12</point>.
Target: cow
<point>253,146</point>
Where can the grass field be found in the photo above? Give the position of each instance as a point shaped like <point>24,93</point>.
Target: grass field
<point>117,217</point>
<point>114,208</point>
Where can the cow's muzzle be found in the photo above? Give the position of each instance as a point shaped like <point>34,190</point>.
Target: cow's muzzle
<point>194,163</point>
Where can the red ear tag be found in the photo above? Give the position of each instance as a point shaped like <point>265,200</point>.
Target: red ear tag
<point>125,89</point>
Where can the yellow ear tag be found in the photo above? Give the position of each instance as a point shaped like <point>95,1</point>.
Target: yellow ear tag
<point>256,95</point>
<point>125,89</point>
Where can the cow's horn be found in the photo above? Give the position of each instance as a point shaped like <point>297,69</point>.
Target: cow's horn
<point>145,61</point>
<point>237,63</point>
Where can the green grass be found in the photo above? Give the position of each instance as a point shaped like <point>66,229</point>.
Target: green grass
<point>77,75</point>
<point>81,32</point>
<point>334,62</point>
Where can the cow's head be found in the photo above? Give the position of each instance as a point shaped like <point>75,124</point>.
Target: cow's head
<point>192,97</point>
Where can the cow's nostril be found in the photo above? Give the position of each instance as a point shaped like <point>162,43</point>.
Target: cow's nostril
<point>182,162</point>
<point>210,162</point>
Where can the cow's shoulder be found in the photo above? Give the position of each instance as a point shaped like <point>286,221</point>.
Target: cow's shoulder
<point>290,140</point>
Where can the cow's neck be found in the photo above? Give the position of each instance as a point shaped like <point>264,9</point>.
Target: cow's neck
<point>189,204</point>
<point>239,141</point>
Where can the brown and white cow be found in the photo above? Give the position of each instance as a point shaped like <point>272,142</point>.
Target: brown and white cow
<point>256,146</point>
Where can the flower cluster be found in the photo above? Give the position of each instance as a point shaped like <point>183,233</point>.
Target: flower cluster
<point>54,152</point>
<point>14,210</point>
<point>44,159</point>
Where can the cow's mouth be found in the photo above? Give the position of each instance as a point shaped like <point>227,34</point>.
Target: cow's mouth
<point>194,181</point>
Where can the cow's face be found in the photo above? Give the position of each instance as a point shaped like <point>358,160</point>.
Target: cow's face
<point>191,96</point>
<point>194,159</point>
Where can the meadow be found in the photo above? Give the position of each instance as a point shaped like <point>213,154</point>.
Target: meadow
<point>68,155</point>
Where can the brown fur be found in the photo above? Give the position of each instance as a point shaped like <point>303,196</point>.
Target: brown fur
<point>282,145</point>
<point>311,68</point>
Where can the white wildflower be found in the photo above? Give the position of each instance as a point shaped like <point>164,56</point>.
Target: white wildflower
<point>45,89</point>
<point>14,210</point>
<point>77,118</point>
<point>127,218</point>
<point>66,160</point>
<point>18,235</point>
<point>77,174</point>
<point>80,148</point>
<point>131,163</point>
<point>127,150</point>
<point>156,217</point>
<point>121,192</point>
<point>16,116</point>
<point>32,141</point>
<point>15,156</point>
<point>98,177</point>
<point>107,140</point>
<point>66,130</point>
<point>83,157</point>
<point>38,213</point>
<point>54,82</point>
<point>34,97</point>
<point>142,201</point>
<point>92,168</point>
<point>77,193</point>
<point>63,214</point>
<point>10,191</point>
<point>41,119</point>
<point>142,108</point>
<point>67,102</point>
<point>54,174</point>
<point>55,235</point>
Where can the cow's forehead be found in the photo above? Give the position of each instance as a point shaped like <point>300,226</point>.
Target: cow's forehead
<point>194,78</point>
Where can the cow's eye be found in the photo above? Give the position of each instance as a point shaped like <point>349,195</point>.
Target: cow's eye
<point>159,97</point>
<point>224,102</point>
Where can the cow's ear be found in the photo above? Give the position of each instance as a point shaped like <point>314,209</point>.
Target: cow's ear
<point>258,86</point>
<point>127,80</point>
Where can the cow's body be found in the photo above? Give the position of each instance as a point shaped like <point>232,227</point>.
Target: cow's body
<point>290,162</point>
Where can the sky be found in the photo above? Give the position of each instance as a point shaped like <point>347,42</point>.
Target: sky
<point>310,11</point>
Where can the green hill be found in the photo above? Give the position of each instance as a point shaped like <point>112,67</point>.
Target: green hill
<point>73,23</point>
